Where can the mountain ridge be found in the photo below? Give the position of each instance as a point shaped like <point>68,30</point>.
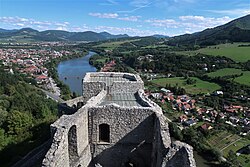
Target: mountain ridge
<point>237,30</point>
<point>55,35</point>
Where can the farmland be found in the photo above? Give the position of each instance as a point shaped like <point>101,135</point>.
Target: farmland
<point>232,51</point>
<point>115,44</point>
<point>226,141</point>
<point>243,79</point>
<point>225,72</point>
<point>199,87</point>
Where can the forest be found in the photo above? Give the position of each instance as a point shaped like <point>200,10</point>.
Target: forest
<point>25,117</point>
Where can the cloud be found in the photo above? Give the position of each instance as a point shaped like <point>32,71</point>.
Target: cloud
<point>130,18</point>
<point>138,4</point>
<point>109,3</point>
<point>235,12</point>
<point>12,22</point>
<point>169,23</point>
<point>62,28</point>
<point>127,30</point>
<point>190,23</point>
<point>115,16</point>
<point>104,15</point>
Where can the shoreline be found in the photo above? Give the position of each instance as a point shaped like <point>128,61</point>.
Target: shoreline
<point>59,88</point>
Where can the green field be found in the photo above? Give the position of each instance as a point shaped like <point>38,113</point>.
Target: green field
<point>199,87</point>
<point>225,72</point>
<point>113,45</point>
<point>102,60</point>
<point>244,159</point>
<point>232,51</point>
<point>222,140</point>
<point>244,79</point>
<point>226,141</point>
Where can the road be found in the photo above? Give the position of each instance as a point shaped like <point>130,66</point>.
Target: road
<point>53,96</point>
<point>54,87</point>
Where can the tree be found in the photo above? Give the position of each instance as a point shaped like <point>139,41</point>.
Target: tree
<point>18,123</point>
<point>232,158</point>
<point>175,131</point>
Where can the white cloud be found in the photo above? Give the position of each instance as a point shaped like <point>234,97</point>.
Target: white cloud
<point>127,30</point>
<point>235,12</point>
<point>130,18</point>
<point>190,23</point>
<point>104,15</point>
<point>169,23</point>
<point>195,18</point>
<point>62,28</point>
<point>32,23</point>
<point>115,16</point>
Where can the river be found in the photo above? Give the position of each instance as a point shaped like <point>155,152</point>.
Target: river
<point>71,72</point>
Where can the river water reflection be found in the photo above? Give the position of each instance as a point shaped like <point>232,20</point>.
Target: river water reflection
<point>72,71</point>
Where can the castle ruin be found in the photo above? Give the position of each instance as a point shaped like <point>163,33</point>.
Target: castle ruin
<point>114,125</point>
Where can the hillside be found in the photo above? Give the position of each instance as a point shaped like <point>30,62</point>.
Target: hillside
<point>237,30</point>
<point>28,34</point>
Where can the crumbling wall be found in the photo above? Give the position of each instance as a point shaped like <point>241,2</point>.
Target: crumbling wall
<point>162,141</point>
<point>58,155</point>
<point>180,151</point>
<point>138,136</point>
<point>91,89</point>
<point>131,135</point>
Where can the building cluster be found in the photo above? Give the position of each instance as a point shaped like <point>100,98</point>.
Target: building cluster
<point>108,66</point>
<point>30,62</point>
<point>189,113</point>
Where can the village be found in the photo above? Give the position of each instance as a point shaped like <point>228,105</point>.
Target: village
<point>189,112</point>
<point>32,63</point>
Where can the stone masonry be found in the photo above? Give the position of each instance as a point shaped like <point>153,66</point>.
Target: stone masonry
<point>113,124</point>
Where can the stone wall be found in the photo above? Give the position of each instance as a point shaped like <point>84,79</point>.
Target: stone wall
<point>136,135</point>
<point>162,141</point>
<point>91,88</point>
<point>180,150</point>
<point>58,155</point>
<point>131,135</point>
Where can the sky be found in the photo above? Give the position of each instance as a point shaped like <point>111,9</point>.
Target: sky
<point>132,17</point>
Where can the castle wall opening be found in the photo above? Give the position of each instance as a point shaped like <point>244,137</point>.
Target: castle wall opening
<point>104,133</point>
<point>72,145</point>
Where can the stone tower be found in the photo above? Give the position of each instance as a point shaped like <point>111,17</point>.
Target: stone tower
<point>114,125</point>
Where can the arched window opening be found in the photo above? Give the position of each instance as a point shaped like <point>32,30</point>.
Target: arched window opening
<point>72,144</point>
<point>104,133</point>
<point>79,104</point>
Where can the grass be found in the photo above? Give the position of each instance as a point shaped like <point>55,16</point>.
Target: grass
<point>225,142</point>
<point>102,60</point>
<point>244,79</point>
<point>235,147</point>
<point>225,72</point>
<point>222,140</point>
<point>113,45</point>
<point>197,88</point>
<point>232,51</point>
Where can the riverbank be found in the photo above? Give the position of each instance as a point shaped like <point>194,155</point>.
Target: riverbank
<point>64,89</point>
<point>71,72</point>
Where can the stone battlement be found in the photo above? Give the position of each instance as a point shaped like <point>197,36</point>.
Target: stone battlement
<point>114,125</point>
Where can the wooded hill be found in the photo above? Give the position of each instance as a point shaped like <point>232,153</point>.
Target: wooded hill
<point>237,30</point>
